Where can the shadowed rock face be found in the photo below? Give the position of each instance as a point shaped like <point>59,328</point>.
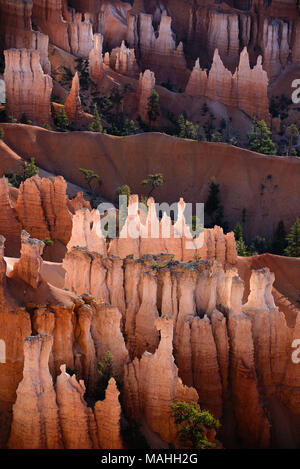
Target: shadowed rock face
<point>16,30</point>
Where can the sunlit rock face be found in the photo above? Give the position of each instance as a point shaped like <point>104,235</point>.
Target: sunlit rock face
<point>41,209</point>
<point>48,417</point>
<point>181,324</point>
<point>145,234</point>
<point>246,89</point>
<point>178,320</point>
<point>28,89</point>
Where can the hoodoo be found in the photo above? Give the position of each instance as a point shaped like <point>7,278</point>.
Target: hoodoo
<point>149,227</point>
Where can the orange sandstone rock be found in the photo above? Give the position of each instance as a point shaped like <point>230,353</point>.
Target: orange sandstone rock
<point>28,268</point>
<point>107,416</point>
<point>73,105</point>
<point>35,413</point>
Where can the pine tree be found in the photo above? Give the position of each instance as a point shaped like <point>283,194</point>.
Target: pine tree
<point>30,170</point>
<point>293,240</point>
<point>96,125</point>
<point>213,208</point>
<point>153,180</point>
<point>238,232</point>
<point>260,139</point>
<point>62,121</point>
<point>193,424</point>
<point>279,239</point>
<point>292,133</point>
<point>216,137</point>
<point>89,176</point>
<point>187,129</point>
<point>240,243</point>
<point>122,190</point>
<point>153,107</point>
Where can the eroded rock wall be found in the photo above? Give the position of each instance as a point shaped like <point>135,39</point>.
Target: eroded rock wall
<point>28,89</point>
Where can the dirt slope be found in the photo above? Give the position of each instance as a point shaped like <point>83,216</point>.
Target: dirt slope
<point>266,186</point>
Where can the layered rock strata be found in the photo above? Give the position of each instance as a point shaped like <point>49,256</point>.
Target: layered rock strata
<point>28,89</point>
<point>41,209</point>
<point>246,89</point>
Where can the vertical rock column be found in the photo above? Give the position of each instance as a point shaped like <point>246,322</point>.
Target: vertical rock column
<point>28,89</point>
<point>35,413</point>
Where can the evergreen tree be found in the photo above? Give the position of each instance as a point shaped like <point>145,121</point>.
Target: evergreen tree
<point>193,424</point>
<point>96,125</point>
<point>293,240</point>
<point>30,170</point>
<point>105,370</point>
<point>122,190</point>
<point>292,133</point>
<point>234,141</point>
<point>238,232</point>
<point>62,120</point>
<point>260,139</point>
<point>187,129</point>
<point>89,176</point>
<point>153,180</point>
<point>213,208</point>
<point>129,127</point>
<point>216,137</point>
<point>240,243</point>
<point>153,107</point>
<point>279,239</point>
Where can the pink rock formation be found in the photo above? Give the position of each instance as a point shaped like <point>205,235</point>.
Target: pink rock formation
<point>45,418</point>
<point>96,60</point>
<point>223,34</point>
<point>276,49</point>
<point>146,335</point>
<point>151,401</point>
<point>246,89</point>
<point>73,105</point>
<point>244,384</point>
<point>29,266</point>
<point>146,85</point>
<point>28,89</point>
<point>145,234</point>
<point>17,32</point>
<point>71,31</point>
<point>206,319</point>
<point>123,61</point>
<point>112,22</point>
<point>42,210</point>
<point>161,54</point>
<point>10,226</point>
<point>73,411</point>
<point>86,231</point>
<point>107,416</point>
<point>84,348</point>
<point>35,412</point>
<point>77,203</point>
<point>107,336</point>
